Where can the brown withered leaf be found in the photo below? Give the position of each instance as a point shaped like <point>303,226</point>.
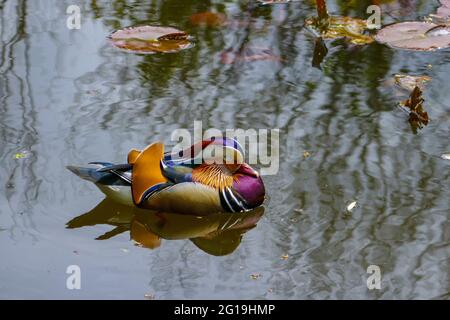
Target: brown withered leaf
<point>320,52</point>
<point>418,117</point>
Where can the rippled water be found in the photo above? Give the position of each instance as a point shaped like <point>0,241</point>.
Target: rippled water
<point>68,97</point>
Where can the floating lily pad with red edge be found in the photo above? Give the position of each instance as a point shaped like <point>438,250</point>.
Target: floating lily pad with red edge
<point>150,39</point>
<point>336,27</point>
<point>209,19</point>
<point>415,35</point>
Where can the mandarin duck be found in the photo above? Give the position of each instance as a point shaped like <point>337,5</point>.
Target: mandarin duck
<point>198,180</point>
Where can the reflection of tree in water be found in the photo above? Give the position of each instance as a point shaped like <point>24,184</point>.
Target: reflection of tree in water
<point>17,121</point>
<point>211,42</point>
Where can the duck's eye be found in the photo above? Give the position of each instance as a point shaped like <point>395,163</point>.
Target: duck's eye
<point>213,138</point>
<point>180,154</point>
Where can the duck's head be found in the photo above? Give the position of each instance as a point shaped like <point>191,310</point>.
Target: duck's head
<point>219,163</point>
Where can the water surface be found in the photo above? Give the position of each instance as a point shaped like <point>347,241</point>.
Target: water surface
<point>68,97</point>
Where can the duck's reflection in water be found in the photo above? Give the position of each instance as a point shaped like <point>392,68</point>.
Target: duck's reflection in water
<point>216,234</point>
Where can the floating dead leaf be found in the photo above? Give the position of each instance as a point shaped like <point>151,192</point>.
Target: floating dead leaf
<point>408,82</point>
<point>285,257</point>
<point>150,39</point>
<point>351,206</point>
<point>249,54</point>
<point>335,27</point>
<point>418,117</point>
<point>306,154</point>
<point>208,19</point>
<point>255,276</point>
<point>446,156</point>
<point>415,35</point>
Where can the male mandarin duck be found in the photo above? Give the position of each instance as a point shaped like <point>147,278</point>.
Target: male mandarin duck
<point>196,180</point>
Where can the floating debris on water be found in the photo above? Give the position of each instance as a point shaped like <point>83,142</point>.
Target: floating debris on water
<point>21,155</point>
<point>351,206</point>
<point>255,276</point>
<point>149,296</point>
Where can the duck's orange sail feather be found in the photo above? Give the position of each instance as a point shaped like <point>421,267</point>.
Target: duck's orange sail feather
<point>132,155</point>
<point>146,170</point>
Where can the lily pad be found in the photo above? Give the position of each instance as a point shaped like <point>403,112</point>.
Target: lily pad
<point>150,39</point>
<point>408,82</point>
<point>209,19</point>
<point>415,35</point>
<point>335,27</point>
<point>444,10</point>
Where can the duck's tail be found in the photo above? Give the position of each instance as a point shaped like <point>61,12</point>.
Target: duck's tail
<point>90,173</point>
<point>114,185</point>
<point>96,173</point>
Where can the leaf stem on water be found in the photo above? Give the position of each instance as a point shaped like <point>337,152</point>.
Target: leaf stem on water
<point>322,9</point>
